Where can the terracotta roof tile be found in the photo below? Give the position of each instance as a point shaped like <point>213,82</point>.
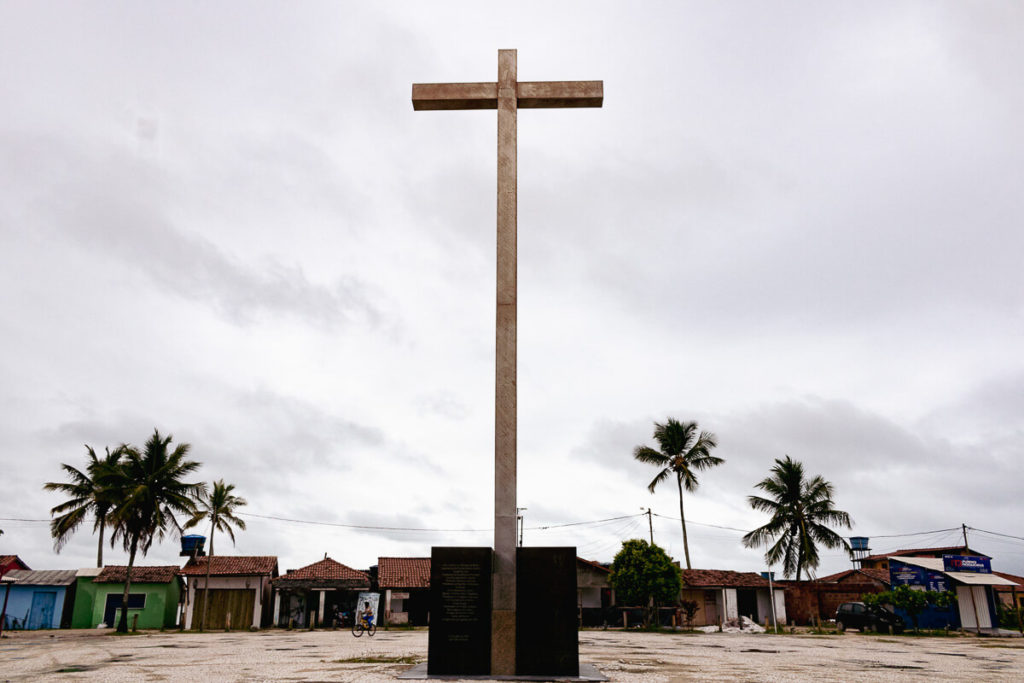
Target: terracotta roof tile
<point>857,574</point>
<point>325,570</point>
<point>224,565</point>
<point>699,578</point>
<point>12,559</point>
<point>593,565</point>
<point>1019,580</point>
<point>403,572</point>
<point>116,574</point>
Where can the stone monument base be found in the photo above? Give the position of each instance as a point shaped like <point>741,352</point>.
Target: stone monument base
<point>588,673</point>
<point>547,626</point>
<point>461,614</point>
<point>459,642</point>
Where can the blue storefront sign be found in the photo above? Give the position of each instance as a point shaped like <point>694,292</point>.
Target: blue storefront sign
<point>901,574</point>
<point>967,563</point>
<point>905,574</point>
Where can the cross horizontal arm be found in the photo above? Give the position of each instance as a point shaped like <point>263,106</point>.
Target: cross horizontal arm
<point>442,96</point>
<point>530,95</point>
<point>559,94</point>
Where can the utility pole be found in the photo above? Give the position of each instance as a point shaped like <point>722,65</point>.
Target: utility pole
<point>519,518</point>
<point>650,524</point>
<point>965,536</point>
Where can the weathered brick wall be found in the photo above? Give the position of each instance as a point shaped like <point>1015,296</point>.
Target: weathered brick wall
<point>808,599</point>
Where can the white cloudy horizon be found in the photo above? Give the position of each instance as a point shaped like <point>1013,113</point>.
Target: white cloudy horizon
<point>795,223</point>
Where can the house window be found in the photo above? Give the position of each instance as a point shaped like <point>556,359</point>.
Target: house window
<point>113,604</point>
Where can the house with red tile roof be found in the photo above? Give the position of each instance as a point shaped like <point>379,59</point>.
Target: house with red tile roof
<point>405,582</point>
<point>153,597</point>
<point>722,595</point>
<point>318,593</point>
<point>240,590</point>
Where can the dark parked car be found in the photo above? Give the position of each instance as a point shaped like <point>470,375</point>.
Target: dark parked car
<point>867,618</point>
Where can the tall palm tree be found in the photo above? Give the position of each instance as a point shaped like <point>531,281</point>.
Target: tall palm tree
<point>88,494</point>
<point>150,492</point>
<point>683,452</point>
<point>801,509</point>
<point>218,505</point>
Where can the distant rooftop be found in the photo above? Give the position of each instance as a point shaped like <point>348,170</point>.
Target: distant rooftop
<point>715,578</point>
<point>43,577</point>
<point>117,574</point>
<point>926,552</point>
<point>403,572</point>
<point>226,565</point>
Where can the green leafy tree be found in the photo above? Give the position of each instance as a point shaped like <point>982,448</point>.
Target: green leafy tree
<point>150,491</point>
<point>87,493</point>
<point>643,574</point>
<point>683,451</point>
<point>218,506</point>
<point>911,601</point>
<point>801,511</point>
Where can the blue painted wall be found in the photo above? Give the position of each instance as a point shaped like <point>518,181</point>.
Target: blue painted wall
<point>22,599</point>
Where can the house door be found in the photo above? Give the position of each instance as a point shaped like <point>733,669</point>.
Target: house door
<point>238,603</point>
<point>746,601</point>
<point>710,608</point>
<point>41,612</point>
<point>973,600</point>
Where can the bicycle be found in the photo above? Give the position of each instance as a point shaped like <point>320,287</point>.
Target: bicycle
<point>364,623</point>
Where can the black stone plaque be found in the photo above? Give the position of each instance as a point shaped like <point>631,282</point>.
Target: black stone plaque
<point>460,612</point>
<point>547,642</point>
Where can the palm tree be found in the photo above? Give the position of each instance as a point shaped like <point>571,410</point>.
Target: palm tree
<point>801,509</point>
<point>682,452</point>
<point>150,491</point>
<point>218,506</point>
<point>88,494</point>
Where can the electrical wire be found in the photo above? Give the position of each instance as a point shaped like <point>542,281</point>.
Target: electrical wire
<point>996,533</point>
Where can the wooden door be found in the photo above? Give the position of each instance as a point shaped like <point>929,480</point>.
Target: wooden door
<point>236,602</point>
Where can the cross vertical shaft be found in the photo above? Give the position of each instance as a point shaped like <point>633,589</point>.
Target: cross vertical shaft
<point>507,95</point>
<point>503,596</point>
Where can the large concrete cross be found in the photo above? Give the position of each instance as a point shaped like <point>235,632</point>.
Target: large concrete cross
<point>506,95</point>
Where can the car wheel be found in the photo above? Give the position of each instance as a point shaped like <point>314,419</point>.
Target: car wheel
<point>840,626</point>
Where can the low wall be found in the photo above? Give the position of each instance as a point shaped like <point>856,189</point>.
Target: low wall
<point>809,600</point>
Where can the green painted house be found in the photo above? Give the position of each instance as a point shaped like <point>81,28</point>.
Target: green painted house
<point>153,596</point>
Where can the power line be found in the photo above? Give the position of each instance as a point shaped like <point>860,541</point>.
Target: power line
<point>715,526</point>
<point>996,533</point>
<point>395,528</point>
<point>545,527</point>
<point>353,526</point>
<point>597,521</point>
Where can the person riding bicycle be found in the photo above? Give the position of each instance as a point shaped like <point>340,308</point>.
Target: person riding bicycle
<point>366,615</point>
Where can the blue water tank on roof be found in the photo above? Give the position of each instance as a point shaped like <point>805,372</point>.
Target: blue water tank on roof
<point>192,545</point>
<point>859,543</point>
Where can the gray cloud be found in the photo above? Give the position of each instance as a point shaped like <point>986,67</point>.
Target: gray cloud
<point>801,231</point>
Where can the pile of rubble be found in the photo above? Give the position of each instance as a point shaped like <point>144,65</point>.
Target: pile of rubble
<point>741,625</point>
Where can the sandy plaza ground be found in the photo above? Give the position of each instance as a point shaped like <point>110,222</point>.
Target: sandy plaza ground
<point>631,657</point>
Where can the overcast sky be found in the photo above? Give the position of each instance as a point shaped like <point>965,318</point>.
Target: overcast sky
<point>798,224</point>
